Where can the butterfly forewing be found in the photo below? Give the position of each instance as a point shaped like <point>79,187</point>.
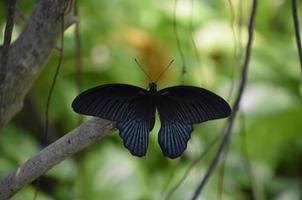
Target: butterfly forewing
<point>181,106</point>
<point>112,101</point>
<point>131,107</point>
<point>192,104</point>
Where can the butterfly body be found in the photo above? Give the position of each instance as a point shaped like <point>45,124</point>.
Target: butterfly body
<point>133,109</point>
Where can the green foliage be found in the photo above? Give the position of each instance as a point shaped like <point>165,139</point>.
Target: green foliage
<point>115,32</point>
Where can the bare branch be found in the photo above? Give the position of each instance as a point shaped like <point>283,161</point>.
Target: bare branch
<point>231,120</point>
<point>28,54</point>
<point>64,147</point>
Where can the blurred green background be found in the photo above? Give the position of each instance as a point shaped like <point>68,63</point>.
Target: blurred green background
<point>265,153</point>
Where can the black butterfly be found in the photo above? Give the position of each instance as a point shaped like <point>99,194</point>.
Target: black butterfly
<point>133,110</point>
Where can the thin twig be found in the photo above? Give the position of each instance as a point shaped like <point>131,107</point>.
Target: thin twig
<point>195,49</point>
<point>5,48</point>
<point>231,120</point>
<point>240,24</point>
<point>51,92</point>
<point>78,52</point>
<point>55,77</point>
<point>9,26</point>
<point>7,38</point>
<point>78,48</point>
<point>181,53</point>
<point>235,58</point>
<point>297,30</point>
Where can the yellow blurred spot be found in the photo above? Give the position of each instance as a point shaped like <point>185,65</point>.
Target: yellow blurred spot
<point>151,52</point>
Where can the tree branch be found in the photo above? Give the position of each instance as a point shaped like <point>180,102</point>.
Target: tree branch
<point>26,56</point>
<point>297,30</point>
<point>227,131</point>
<point>64,147</point>
<point>8,34</point>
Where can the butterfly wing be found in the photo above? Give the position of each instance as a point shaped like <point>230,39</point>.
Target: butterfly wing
<point>181,106</point>
<point>173,137</point>
<point>111,101</point>
<point>192,104</point>
<point>131,107</point>
<point>135,130</point>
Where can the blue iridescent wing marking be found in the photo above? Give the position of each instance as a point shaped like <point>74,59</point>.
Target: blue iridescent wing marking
<point>173,137</point>
<point>135,135</point>
<point>135,131</point>
<point>179,108</point>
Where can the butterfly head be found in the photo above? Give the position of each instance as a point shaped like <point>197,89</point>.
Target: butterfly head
<point>152,87</point>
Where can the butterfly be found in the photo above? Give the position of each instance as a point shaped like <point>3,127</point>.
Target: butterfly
<point>134,108</point>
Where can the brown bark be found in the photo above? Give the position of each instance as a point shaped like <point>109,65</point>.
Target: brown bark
<point>27,55</point>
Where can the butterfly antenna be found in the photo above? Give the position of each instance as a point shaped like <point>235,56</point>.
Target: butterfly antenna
<point>164,70</point>
<point>143,70</point>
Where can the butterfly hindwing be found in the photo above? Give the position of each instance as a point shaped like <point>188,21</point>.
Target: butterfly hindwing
<point>135,135</point>
<point>173,137</point>
<point>135,130</point>
<point>179,108</point>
